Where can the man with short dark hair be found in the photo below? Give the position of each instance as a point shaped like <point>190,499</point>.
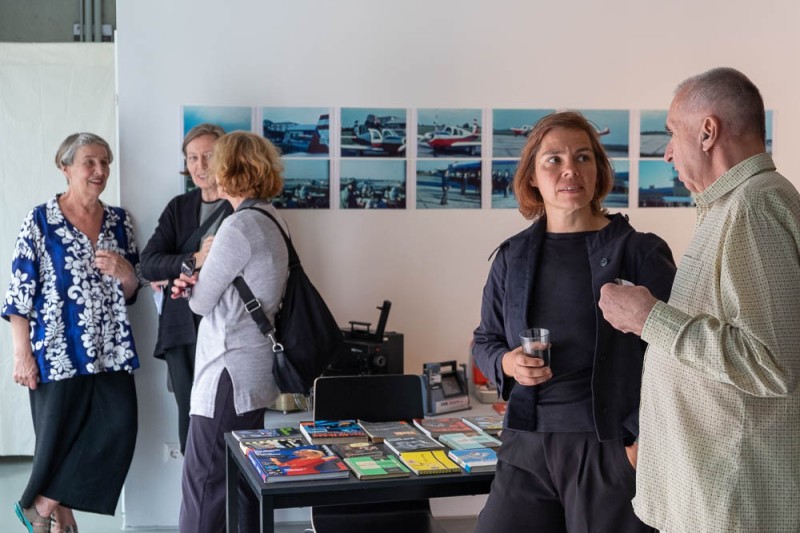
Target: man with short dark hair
<point>720,410</point>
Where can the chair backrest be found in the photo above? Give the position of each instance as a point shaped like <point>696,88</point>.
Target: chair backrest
<point>375,398</point>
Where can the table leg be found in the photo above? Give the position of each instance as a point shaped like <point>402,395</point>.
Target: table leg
<point>267,514</point>
<point>231,492</point>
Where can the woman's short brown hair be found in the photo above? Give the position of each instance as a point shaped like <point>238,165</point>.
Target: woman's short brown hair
<point>247,165</point>
<point>194,133</point>
<point>531,204</point>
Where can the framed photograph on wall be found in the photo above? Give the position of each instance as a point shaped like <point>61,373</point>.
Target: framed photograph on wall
<point>503,172</point>
<point>653,136</point>
<point>510,128</point>
<point>372,184</point>
<point>613,127</point>
<point>620,191</point>
<point>659,186</point>
<point>306,184</point>
<point>449,184</point>
<point>373,132</point>
<point>443,132</point>
<point>298,131</point>
<point>229,118</point>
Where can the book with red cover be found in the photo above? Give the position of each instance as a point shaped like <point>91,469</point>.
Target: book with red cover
<point>297,464</point>
<point>332,431</point>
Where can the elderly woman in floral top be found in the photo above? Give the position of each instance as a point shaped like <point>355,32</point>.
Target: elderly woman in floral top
<point>74,272</point>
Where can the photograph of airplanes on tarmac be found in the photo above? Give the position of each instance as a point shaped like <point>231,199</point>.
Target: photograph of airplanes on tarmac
<point>229,118</point>
<point>448,132</point>
<point>306,184</point>
<point>373,132</point>
<point>653,136</point>
<point>659,186</point>
<point>298,131</point>
<point>375,184</point>
<point>510,128</point>
<point>449,184</point>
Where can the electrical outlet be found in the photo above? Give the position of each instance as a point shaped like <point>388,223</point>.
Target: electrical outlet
<point>172,451</point>
<point>76,31</point>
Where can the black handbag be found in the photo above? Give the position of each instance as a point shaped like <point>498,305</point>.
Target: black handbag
<point>305,337</point>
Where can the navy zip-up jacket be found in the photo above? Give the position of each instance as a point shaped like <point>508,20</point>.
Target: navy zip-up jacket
<point>616,251</point>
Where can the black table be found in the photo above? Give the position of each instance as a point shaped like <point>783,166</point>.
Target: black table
<point>289,494</point>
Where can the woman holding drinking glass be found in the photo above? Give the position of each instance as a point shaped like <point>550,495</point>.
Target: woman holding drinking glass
<point>568,454</point>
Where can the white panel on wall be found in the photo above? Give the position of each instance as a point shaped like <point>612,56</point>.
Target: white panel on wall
<point>462,54</point>
<point>47,91</point>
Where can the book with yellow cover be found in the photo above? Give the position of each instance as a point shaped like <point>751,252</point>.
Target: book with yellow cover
<point>429,462</point>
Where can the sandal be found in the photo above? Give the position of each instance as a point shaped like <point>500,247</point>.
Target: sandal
<point>32,520</point>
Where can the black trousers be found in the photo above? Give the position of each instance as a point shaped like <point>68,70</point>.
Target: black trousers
<point>85,435</point>
<point>559,483</point>
<point>203,484</point>
<point>180,365</point>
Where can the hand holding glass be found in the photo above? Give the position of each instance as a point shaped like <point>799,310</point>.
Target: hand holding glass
<point>536,343</point>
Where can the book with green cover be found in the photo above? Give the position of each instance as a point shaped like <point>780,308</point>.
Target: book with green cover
<point>265,433</point>
<point>464,441</point>
<point>377,467</point>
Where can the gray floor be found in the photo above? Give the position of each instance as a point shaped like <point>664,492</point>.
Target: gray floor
<point>14,473</point>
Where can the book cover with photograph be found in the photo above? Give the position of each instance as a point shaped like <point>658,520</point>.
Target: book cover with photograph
<point>464,441</point>
<point>411,443</point>
<point>377,467</point>
<point>270,444</point>
<point>429,462</point>
<point>265,433</point>
<point>491,424</point>
<point>379,431</point>
<point>358,449</point>
<point>332,431</point>
<point>433,427</point>
<point>475,460</point>
<point>298,464</point>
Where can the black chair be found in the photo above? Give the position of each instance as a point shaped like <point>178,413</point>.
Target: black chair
<point>375,398</point>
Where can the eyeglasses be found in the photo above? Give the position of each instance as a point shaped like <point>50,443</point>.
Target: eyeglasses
<point>193,159</point>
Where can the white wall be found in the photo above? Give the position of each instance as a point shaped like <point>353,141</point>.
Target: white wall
<point>626,54</point>
<point>47,91</point>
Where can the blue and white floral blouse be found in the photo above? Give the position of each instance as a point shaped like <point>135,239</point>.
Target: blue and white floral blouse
<point>78,317</point>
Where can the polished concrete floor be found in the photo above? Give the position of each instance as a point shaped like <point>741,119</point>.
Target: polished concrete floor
<point>14,473</point>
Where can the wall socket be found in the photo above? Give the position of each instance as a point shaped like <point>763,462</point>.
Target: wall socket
<point>172,451</point>
<point>76,31</point>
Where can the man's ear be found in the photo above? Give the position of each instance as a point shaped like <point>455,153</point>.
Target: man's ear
<point>709,132</point>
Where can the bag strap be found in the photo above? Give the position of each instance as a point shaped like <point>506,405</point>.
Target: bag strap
<point>252,304</point>
<point>190,244</point>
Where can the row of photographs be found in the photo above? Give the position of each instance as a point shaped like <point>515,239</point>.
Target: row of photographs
<point>370,158</point>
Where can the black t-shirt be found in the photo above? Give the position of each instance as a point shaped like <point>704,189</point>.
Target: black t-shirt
<point>563,302</point>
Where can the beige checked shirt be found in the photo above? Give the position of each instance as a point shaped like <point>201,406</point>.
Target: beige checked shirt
<point>720,412</point>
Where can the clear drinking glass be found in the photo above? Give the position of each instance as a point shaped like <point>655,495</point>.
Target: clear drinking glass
<point>536,343</point>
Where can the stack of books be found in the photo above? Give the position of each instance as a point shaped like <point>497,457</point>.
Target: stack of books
<point>469,441</point>
<point>332,431</point>
<point>268,439</point>
<point>380,431</point>
<point>297,464</point>
<point>475,460</point>
<point>412,443</point>
<point>491,424</point>
<point>368,460</point>
<point>429,462</point>
<point>435,427</point>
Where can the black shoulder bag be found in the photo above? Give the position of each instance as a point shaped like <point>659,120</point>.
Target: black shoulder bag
<point>305,337</point>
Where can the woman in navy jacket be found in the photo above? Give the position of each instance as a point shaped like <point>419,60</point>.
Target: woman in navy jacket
<point>184,233</point>
<point>568,455</point>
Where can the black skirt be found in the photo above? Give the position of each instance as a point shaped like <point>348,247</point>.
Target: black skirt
<point>85,436</point>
